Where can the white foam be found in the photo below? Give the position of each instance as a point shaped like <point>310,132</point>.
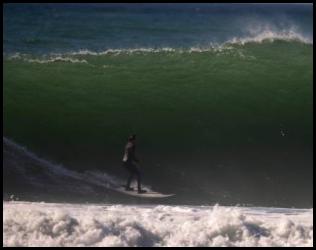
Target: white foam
<point>196,49</point>
<point>57,59</point>
<point>52,58</point>
<point>40,224</point>
<point>122,51</point>
<point>269,35</point>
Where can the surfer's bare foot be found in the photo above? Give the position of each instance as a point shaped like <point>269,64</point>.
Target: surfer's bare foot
<point>129,189</point>
<point>142,191</point>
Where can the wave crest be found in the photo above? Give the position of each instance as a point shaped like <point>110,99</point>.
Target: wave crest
<point>53,59</point>
<point>271,36</point>
<point>229,46</point>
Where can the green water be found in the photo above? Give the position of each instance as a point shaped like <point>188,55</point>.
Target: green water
<point>218,121</point>
<point>173,101</point>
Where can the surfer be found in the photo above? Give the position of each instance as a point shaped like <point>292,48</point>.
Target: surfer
<point>129,160</point>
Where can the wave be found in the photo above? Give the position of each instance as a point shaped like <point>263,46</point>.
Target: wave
<point>124,51</point>
<point>224,102</point>
<point>197,49</point>
<point>51,224</point>
<point>271,36</point>
<point>59,58</point>
<point>264,36</point>
<point>72,57</point>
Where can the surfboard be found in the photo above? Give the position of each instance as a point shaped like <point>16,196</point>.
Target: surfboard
<point>148,194</point>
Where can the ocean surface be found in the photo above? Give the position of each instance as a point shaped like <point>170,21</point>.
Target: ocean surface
<point>219,95</point>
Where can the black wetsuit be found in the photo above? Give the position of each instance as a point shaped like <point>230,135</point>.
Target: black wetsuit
<point>128,163</point>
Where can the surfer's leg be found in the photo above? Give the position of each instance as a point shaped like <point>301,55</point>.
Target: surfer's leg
<point>130,178</point>
<point>135,171</point>
<point>139,178</point>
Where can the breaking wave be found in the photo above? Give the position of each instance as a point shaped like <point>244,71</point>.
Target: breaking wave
<point>265,36</point>
<point>271,36</point>
<point>59,58</point>
<point>61,225</point>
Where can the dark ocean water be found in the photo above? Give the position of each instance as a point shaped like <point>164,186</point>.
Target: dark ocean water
<point>220,95</point>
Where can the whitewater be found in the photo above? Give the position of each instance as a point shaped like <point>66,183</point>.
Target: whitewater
<point>60,225</point>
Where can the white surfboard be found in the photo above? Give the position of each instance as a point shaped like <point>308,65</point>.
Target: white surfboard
<point>148,194</point>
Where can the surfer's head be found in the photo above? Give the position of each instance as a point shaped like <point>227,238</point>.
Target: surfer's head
<point>132,137</point>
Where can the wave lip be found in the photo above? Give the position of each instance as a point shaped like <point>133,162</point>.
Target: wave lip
<point>123,51</point>
<point>264,35</point>
<point>58,58</point>
<point>271,36</point>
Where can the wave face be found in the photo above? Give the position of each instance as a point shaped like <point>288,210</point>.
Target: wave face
<point>62,225</point>
<point>220,102</point>
<point>29,177</point>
